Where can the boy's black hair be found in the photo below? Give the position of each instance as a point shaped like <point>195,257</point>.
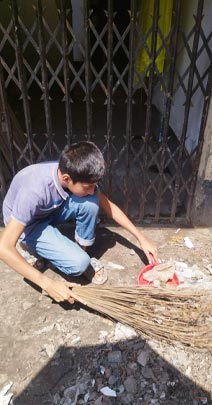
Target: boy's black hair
<point>83,161</point>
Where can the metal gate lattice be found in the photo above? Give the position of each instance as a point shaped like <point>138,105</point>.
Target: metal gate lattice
<point>50,97</point>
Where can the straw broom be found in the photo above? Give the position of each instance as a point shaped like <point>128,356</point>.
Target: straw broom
<point>183,316</point>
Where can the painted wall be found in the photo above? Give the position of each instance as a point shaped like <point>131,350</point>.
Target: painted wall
<point>183,61</point>
<point>202,207</point>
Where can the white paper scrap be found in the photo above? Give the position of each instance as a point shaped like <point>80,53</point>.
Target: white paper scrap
<point>115,266</point>
<point>108,392</point>
<point>188,242</point>
<point>5,397</point>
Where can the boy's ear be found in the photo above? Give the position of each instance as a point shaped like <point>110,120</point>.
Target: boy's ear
<point>66,178</point>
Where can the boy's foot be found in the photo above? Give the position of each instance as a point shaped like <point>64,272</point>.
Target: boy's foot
<point>40,263</point>
<point>96,273</point>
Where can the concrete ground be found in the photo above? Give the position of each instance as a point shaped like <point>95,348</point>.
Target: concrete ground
<point>46,348</point>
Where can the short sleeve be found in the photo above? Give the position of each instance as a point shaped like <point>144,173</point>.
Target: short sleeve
<point>25,206</point>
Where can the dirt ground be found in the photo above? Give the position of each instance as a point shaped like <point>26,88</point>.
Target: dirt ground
<point>63,354</point>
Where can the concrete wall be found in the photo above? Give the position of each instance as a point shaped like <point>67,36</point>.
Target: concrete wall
<point>202,204</point>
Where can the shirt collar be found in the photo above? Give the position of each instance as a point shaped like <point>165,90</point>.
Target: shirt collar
<point>57,184</point>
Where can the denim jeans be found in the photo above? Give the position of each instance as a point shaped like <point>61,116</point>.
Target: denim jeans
<point>45,239</point>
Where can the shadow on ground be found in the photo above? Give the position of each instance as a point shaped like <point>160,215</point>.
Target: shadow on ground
<point>105,240</point>
<point>76,375</point>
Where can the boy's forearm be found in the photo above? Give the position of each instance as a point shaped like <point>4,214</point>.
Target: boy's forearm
<point>115,213</point>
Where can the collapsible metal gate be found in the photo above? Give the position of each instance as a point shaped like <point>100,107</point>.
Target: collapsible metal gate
<point>73,70</point>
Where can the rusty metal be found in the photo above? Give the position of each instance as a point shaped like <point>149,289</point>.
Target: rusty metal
<point>130,100</point>
<point>5,111</point>
<point>42,52</point>
<point>147,133</point>
<point>22,78</point>
<point>87,71</point>
<point>167,107</point>
<point>3,188</point>
<point>109,98</point>
<point>69,129</point>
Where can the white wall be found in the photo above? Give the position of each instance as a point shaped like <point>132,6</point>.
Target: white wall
<point>183,61</point>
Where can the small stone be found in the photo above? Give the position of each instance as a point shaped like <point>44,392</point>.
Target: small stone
<point>75,340</point>
<point>103,401</point>
<point>124,332</point>
<point>56,399</point>
<point>50,350</point>
<point>127,398</point>
<point>103,336</point>
<point>148,373</point>
<point>143,357</point>
<point>132,367</point>
<point>115,356</point>
<point>46,329</point>
<point>99,383</point>
<point>143,384</point>
<point>98,401</point>
<point>209,268</point>
<point>131,385</point>
<point>188,370</point>
<point>27,305</point>
<point>107,372</point>
<point>112,380</point>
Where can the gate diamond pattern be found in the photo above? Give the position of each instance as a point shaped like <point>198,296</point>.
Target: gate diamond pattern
<point>50,97</point>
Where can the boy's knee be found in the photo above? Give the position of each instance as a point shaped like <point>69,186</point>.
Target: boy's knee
<point>78,266</point>
<point>82,263</point>
<point>91,207</point>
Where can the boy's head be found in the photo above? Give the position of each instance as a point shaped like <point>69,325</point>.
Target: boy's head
<point>83,162</point>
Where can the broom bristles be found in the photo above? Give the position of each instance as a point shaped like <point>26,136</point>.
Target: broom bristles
<point>182,316</point>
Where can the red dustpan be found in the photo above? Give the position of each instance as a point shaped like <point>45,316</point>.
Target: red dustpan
<point>174,281</point>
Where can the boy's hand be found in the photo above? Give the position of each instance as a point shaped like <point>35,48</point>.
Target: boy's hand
<point>60,290</point>
<point>150,250</point>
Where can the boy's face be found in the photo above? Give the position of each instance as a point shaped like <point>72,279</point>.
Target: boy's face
<point>82,189</point>
<point>79,189</point>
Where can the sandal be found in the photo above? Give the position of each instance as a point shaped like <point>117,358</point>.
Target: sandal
<point>41,263</point>
<point>96,273</point>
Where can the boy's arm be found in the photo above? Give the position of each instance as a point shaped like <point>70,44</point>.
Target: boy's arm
<point>57,289</point>
<point>114,212</point>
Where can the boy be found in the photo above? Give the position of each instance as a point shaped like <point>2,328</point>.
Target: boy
<point>44,195</point>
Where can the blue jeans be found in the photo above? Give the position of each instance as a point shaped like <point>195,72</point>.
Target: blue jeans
<point>45,239</point>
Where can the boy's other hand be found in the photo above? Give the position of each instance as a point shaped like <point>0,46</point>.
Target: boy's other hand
<point>150,250</point>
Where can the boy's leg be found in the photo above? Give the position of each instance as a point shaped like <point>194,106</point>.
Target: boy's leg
<point>48,242</point>
<point>85,210</point>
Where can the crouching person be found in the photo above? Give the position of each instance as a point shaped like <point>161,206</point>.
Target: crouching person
<point>45,195</point>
